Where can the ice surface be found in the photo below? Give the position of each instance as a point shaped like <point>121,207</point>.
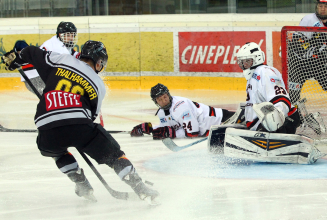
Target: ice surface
<point>193,183</point>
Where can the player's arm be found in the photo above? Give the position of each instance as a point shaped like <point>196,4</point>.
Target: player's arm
<point>277,106</point>
<point>38,58</point>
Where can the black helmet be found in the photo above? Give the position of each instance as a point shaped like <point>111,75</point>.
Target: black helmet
<point>67,27</point>
<point>157,91</point>
<point>96,51</point>
<point>322,17</point>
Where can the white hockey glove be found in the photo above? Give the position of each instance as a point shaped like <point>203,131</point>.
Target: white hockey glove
<point>270,117</point>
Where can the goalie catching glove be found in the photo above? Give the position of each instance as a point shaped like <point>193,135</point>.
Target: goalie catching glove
<point>270,117</point>
<point>12,60</point>
<point>142,128</point>
<point>163,132</point>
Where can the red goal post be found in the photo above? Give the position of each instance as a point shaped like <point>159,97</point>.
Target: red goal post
<point>304,71</point>
<point>284,35</point>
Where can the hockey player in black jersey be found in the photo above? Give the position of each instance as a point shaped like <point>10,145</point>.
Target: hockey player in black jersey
<point>69,104</point>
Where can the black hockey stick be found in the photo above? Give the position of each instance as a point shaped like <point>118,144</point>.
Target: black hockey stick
<point>3,129</point>
<point>174,147</point>
<point>114,193</point>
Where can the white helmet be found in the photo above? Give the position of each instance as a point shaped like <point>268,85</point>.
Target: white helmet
<point>250,51</point>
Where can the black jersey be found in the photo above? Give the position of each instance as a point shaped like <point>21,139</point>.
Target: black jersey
<point>73,91</point>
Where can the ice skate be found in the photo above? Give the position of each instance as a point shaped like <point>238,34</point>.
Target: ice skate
<point>143,192</point>
<point>83,187</point>
<point>313,123</point>
<point>315,155</point>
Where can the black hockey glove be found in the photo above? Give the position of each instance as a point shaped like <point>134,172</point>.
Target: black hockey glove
<point>142,128</point>
<point>163,132</point>
<point>12,60</point>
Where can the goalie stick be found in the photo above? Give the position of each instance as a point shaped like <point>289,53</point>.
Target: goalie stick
<point>113,193</point>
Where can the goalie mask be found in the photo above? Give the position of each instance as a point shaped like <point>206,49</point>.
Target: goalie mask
<point>321,9</point>
<point>159,90</point>
<point>249,57</point>
<point>67,33</point>
<point>96,51</point>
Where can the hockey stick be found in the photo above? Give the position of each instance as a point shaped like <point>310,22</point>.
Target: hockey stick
<point>29,82</point>
<point>101,119</point>
<point>3,129</point>
<point>114,193</point>
<point>174,147</point>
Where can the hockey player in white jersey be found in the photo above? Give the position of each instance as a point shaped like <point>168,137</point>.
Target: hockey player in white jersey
<point>63,42</point>
<point>271,119</point>
<point>180,117</point>
<point>317,19</point>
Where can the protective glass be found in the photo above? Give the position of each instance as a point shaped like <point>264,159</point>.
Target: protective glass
<point>69,39</point>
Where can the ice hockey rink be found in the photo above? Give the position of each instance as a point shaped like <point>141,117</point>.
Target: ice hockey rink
<point>192,183</point>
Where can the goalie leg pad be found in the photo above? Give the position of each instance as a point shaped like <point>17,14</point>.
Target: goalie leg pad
<point>270,147</point>
<point>216,137</point>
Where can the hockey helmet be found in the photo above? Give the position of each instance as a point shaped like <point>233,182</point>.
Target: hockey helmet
<point>320,16</point>
<point>96,51</point>
<point>157,91</point>
<point>19,45</point>
<point>67,33</point>
<point>250,51</point>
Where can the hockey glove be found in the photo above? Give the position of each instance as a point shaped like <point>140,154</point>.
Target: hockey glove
<point>12,60</point>
<point>163,132</point>
<point>142,128</point>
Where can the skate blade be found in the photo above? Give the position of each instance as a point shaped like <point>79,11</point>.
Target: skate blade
<point>90,197</point>
<point>152,202</point>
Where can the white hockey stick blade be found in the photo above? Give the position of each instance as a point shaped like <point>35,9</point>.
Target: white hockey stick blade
<point>169,143</point>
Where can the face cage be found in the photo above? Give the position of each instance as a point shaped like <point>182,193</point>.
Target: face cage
<point>69,39</point>
<point>103,65</point>
<point>166,107</point>
<point>244,60</point>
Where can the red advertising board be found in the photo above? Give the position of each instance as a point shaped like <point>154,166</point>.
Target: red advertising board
<point>277,58</point>
<point>214,51</point>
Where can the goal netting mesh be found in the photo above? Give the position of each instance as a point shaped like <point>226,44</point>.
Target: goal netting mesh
<point>304,60</point>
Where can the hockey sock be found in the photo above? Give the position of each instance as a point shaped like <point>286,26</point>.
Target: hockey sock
<point>67,163</point>
<point>126,171</point>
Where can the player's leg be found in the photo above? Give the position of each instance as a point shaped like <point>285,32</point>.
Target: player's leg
<point>68,165</point>
<point>105,150</point>
<point>54,143</point>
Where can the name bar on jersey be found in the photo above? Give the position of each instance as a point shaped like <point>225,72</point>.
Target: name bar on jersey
<point>77,78</point>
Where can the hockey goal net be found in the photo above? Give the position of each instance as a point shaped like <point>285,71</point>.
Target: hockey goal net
<point>304,63</point>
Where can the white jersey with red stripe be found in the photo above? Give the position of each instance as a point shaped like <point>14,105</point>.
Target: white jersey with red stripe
<point>188,118</point>
<point>266,85</point>
<point>311,20</point>
<point>53,44</point>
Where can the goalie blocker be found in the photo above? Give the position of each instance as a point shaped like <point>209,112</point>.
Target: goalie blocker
<point>234,141</point>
